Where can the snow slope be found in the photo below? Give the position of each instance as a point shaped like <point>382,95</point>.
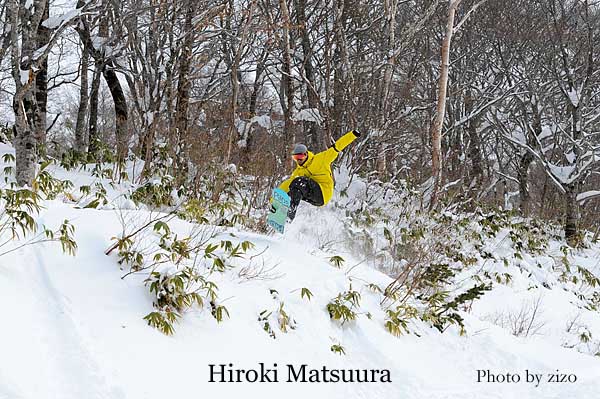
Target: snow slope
<point>73,328</point>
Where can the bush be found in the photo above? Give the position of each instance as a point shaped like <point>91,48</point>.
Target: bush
<point>19,208</point>
<point>179,269</point>
<point>344,306</point>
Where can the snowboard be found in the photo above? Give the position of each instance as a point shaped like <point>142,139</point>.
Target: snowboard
<point>279,210</point>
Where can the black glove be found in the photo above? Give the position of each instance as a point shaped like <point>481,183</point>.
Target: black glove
<point>356,133</point>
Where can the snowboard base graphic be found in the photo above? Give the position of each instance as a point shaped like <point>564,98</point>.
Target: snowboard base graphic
<point>279,210</point>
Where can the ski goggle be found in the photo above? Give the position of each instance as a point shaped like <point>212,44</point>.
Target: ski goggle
<point>299,157</point>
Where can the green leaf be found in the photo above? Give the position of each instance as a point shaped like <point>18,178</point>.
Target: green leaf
<point>337,261</point>
<point>306,292</point>
<point>339,349</point>
<point>93,204</point>
<point>160,225</point>
<point>388,235</point>
<point>219,312</point>
<point>8,157</point>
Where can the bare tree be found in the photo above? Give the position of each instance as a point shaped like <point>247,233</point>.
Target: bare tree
<point>436,127</point>
<point>27,61</point>
<point>81,138</point>
<point>314,135</point>
<point>238,50</point>
<point>287,86</point>
<point>566,111</point>
<point>105,56</point>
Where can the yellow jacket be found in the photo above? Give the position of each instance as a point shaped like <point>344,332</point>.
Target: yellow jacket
<point>318,167</point>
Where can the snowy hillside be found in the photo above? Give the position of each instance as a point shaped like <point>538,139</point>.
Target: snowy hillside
<point>74,327</point>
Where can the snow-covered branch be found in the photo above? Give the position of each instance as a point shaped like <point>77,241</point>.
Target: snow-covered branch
<point>588,195</point>
<point>466,17</point>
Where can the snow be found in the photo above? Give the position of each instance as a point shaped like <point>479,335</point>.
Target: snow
<point>24,76</point>
<point>55,21</point>
<point>231,168</point>
<point>262,120</point>
<point>546,132</point>
<point>309,115</point>
<point>149,117</point>
<point>562,173</point>
<point>574,97</point>
<point>243,127</point>
<point>98,42</point>
<point>377,133</point>
<point>74,326</point>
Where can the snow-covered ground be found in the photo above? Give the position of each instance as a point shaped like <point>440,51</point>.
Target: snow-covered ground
<point>72,327</point>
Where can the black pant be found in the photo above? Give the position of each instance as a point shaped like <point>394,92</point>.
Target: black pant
<point>305,189</point>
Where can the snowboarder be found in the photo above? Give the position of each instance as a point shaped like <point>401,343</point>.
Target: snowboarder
<point>312,180</point>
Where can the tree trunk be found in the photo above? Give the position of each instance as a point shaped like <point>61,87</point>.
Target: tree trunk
<point>183,92</point>
<point>535,130</point>
<point>245,156</point>
<point>23,40</point>
<point>94,137</point>
<point>80,140</point>
<point>260,68</point>
<point>571,190</point>
<point>235,76</point>
<point>114,86</point>
<point>390,7</point>
<point>235,89</point>
<point>313,132</point>
<point>571,214</point>
<point>474,149</point>
<point>25,146</point>
<point>121,132</point>
<point>523,177</point>
<point>340,74</point>
<point>286,76</point>
<point>436,127</point>
<point>41,85</point>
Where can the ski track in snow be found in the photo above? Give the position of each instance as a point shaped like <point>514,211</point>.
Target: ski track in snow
<point>65,368</point>
<point>7,389</point>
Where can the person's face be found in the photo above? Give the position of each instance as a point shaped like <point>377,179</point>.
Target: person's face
<point>300,158</point>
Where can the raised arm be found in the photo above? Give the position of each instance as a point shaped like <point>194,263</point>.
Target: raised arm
<point>332,152</point>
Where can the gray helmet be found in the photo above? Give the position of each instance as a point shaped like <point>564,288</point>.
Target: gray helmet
<point>299,149</point>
